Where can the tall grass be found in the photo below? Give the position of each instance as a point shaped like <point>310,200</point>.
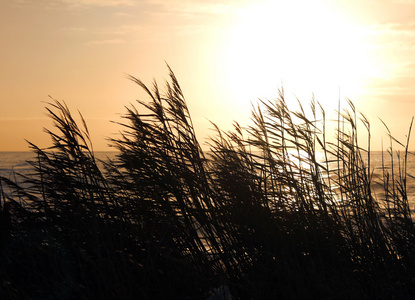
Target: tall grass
<point>273,210</point>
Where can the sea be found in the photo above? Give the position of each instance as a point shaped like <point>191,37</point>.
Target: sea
<point>17,162</point>
<point>11,162</point>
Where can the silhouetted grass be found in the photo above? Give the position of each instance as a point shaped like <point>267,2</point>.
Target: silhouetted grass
<point>275,210</point>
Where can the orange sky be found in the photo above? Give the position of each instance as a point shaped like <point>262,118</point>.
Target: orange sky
<point>224,55</point>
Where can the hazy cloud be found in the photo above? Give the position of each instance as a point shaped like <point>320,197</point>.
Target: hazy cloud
<point>100,2</point>
<point>117,30</point>
<point>189,17</point>
<point>75,3</point>
<point>397,27</point>
<point>410,2</point>
<point>111,41</point>
<point>75,29</point>
<point>194,6</point>
<point>122,14</point>
<point>47,4</point>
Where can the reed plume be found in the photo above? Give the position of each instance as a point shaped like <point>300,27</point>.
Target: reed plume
<point>277,209</point>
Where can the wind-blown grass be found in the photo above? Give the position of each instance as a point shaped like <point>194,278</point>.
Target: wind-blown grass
<point>273,210</point>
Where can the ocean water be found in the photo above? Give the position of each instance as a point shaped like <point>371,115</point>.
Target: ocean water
<point>17,161</point>
<point>377,170</point>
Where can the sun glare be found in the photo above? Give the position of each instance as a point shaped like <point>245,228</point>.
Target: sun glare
<point>304,46</point>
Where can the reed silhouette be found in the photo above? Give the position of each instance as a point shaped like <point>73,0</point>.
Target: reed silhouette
<point>275,210</point>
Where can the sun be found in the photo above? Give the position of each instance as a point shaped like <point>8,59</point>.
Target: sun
<point>302,45</point>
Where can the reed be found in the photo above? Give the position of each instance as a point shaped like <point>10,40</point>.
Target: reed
<point>276,209</point>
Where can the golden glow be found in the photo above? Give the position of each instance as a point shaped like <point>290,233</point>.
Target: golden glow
<point>225,54</point>
<point>303,46</point>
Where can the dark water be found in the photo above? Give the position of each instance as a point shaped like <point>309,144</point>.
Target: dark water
<point>17,161</point>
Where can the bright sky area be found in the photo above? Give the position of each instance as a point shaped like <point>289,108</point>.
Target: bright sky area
<point>225,54</point>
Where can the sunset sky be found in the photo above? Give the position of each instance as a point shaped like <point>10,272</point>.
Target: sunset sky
<point>225,54</point>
